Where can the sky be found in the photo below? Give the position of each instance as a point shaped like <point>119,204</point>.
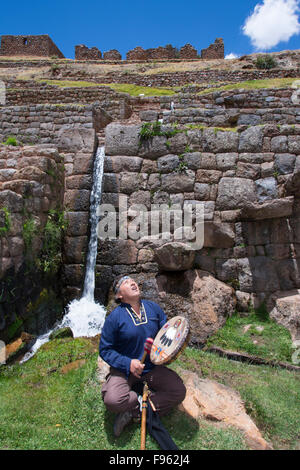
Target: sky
<point>245,26</point>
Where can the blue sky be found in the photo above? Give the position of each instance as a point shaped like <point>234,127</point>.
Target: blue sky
<point>123,24</point>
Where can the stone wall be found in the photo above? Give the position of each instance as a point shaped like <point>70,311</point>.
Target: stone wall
<point>113,54</point>
<point>31,184</point>
<point>116,104</point>
<point>34,179</point>
<point>204,76</point>
<point>247,183</point>
<point>29,45</point>
<point>214,51</point>
<point>83,52</point>
<point>188,52</point>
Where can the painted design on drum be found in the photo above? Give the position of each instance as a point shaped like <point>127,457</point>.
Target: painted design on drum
<point>168,337</point>
<point>158,351</point>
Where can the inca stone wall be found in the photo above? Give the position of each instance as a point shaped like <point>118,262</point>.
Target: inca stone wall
<point>29,45</point>
<point>214,51</point>
<point>114,103</point>
<point>83,52</point>
<point>31,184</point>
<point>247,182</point>
<point>34,179</point>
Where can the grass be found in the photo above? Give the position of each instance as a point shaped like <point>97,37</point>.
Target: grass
<point>263,338</point>
<point>43,408</point>
<point>253,85</point>
<point>133,90</point>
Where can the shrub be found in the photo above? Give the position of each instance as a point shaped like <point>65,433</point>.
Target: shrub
<point>265,62</point>
<point>5,222</point>
<point>11,141</point>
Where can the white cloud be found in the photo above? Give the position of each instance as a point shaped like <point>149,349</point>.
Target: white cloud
<point>232,55</point>
<point>271,22</point>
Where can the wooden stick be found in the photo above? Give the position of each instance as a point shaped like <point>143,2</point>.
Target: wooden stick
<point>144,416</point>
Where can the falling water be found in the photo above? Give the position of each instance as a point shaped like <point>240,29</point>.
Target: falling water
<point>85,317</point>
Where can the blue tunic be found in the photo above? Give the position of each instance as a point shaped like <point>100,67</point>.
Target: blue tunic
<point>124,335</point>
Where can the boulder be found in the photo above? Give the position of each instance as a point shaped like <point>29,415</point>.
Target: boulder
<point>284,308</point>
<point>197,295</point>
<point>218,403</point>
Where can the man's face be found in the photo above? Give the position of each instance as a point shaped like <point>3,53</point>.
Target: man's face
<point>129,290</point>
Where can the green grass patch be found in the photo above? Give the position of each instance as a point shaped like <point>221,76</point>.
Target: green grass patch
<point>41,408</point>
<point>255,334</point>
<point>133,90</point>
<point>253,85</point>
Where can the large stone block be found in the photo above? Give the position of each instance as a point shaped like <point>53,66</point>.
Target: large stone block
<point>71,139</point>
<point>121,140</point>
<point>251,140</point>
<point>118,164</point>
<point>235,193</point>
<point>220,141</point>
<point>269,209</point>
<point>175,256</point>
<point>178,182</point>
<point>218,235</point>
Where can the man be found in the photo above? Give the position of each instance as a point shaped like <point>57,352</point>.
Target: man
<point>122,346</point>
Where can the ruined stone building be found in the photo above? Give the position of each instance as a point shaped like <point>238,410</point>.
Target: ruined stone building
<point>42,46</point>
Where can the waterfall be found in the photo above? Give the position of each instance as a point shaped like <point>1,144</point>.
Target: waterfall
<point>85,317</point>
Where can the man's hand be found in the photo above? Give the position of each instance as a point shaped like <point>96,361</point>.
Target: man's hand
<point>136,368</point>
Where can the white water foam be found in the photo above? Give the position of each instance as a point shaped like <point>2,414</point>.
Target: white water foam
<point>85,317</point>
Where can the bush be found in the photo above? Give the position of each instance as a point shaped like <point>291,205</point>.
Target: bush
<point>5,221</point>
<point>265,62</point>
<point>11,141</point>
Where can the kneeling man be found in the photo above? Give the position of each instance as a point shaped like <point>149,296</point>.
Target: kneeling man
<point>122,346</point>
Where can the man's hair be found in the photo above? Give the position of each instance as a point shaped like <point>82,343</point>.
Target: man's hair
<point>116,285</point>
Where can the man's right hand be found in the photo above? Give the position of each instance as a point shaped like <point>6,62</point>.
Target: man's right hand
<point>136,368</point>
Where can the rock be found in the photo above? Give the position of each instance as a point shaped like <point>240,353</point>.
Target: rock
<point>220,141</point>
<point>269,209</point>
<point>61,333</point>
<point>235,193</point>
<point>102,370</point>
<point>218,235</point>
<point>284,163</point>
<point>226,161</point>
<point>251,140</point>
<point>149,115</point>
<point>167,163</point>
<point>117,164</point>
<point>178,182</point>
<point>121,140</point>
<point>197,295</point>
<point>215,402</point>
<point>175,256</point>
<point>243,301</point>
<point>292,184</point>
<point>79,138</point>
<point>284,308</point>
